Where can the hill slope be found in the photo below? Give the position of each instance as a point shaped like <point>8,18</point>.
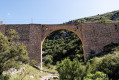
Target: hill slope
<point>103,18</point>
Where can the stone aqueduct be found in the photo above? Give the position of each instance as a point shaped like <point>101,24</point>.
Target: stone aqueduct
<point>94,36</point>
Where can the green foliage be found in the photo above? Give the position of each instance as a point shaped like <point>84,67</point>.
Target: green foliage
<point>97,76</point>
<point>71,70</point>
<point>4,77</point>
<point>12,34</point>
<point>48,60</point>
<point>79,57</point>
<point>110,65</point>
<point>11,54</point>
<point>116,49</point>
<point>103,18</point>
<point>61,44</point>
<point>33,63</point>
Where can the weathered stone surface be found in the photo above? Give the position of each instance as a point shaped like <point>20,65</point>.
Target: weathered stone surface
<point>94,36</point>
<point>13,71</point>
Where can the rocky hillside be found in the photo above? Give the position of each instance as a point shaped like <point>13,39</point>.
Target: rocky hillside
<point>103,18</point>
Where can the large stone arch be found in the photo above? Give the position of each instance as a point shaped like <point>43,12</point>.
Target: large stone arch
<point>48,29</point>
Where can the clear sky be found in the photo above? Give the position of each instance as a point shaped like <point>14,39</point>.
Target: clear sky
<point>52,11</point>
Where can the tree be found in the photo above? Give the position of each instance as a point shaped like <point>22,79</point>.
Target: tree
<point>11,54</point>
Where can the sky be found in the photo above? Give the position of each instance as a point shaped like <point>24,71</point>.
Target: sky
<point>52,11</point>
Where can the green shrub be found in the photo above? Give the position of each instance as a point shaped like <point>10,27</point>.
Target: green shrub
<point>4,77</point>
<point>108,64</point>
<point>48,59</point>
<point>11,33</point>
<point>71,70</point>
<point>33,63</point>
<point>97,76</point>
<point>79,57</point>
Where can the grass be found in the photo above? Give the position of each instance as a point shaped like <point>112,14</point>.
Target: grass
<point>52,70</point>
<point>32,73</point>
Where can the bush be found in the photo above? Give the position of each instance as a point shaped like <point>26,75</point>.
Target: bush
<point>97,76</point>
<point>48,59</point>
<point>33,63</point>
<point>4,77</point>
<point>108,65</point>
<point>71,70</point>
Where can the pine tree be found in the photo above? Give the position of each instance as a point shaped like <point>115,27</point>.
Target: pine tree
<point>11,54</point>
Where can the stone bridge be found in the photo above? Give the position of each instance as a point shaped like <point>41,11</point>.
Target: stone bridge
<point>94,36</point>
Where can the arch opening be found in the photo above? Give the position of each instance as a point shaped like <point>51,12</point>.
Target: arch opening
<point>60,44</point>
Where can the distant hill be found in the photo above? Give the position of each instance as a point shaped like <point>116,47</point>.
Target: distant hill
<point>103,18</point>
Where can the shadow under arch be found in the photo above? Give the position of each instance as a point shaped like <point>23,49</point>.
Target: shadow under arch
<point>49,32</point>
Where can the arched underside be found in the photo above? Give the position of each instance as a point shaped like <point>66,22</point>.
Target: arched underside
<point>51,31</point>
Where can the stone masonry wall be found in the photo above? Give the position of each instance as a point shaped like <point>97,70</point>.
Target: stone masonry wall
<point>35,48</point>
<point>94,36</point>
